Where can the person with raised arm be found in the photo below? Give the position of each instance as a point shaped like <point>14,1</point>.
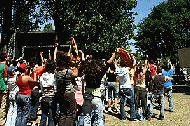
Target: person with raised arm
<point>93,71</point>
<point>23,98</point>
<point>126,91</point>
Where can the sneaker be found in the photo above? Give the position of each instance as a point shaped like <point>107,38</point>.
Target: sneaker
<point>148,118</point>
<point>171,110</point>
<point>133,119</point>
<point>115,109</point>
<point>109,109</point>
<point>153,115</point>
<point>161,117</point>
<point>123,118</point>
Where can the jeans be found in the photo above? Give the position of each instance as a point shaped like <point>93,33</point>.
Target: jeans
<point>34,104</point>
<point>23,109</point>
<point>67,108</point>
<point>92,112</point>
<point>141,101</point>
<point>169,94</point>
<point>112,88</point>
<point>162,103</point>
<point>48,111</point>
<point>34,111</point>
<point>12,112</point>
<point>160,96</point>
<point>124,94</point>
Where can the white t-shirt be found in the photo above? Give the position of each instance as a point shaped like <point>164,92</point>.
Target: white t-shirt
<point>123,76</point>
<point>47,84</point>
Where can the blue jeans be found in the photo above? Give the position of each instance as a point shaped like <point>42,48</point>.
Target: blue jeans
<point>34,104</point>
<point>169,94</point>
<point>92,112</point>
<point>48,111</point>
<point>160,96</point>
<point>34,111</point>
<point>162,103</point>
<point>23,109</point>
<point>125,94</point>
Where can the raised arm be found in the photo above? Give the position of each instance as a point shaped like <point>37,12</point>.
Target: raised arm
<point>55,52</point>
<point>41,57</point>
<point>111,58</point>
<point>49,55</point>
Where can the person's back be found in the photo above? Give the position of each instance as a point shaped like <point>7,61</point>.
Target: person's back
<point>24,87</point>
<point>23,97</point>
<point>123,77</point>
<point>168,73</point>
<point>158,83</point>
<point>48,90</point>
<point>65,96</point>
<point>47,83</point>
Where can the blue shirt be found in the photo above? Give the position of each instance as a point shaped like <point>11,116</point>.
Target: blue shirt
<point>168,73</point>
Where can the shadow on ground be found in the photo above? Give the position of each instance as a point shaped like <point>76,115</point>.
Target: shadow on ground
<point>182,89</point>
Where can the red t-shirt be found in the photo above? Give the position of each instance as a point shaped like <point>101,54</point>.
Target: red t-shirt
<point>40,70</point>
<point>153,69</point>
<point>24,88</point>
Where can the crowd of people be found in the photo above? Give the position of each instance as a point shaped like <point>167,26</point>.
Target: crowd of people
<point>71,88</point>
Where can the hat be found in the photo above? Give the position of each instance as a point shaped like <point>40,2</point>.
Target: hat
<point>23,66</point>
<point>11,70</point>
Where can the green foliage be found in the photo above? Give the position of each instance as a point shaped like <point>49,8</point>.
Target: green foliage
<point>24,15</point>
<point>166,29</point>
<point>48,27</point>
<point>97,25</point>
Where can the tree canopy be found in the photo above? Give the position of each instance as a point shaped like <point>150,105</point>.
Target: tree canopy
<point>166,29</point>
<point>97,25</point>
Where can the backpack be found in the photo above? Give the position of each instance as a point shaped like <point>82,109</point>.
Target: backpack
<point>63,80</point>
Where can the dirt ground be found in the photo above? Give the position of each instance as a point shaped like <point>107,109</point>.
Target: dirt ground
<point>180,116</point>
